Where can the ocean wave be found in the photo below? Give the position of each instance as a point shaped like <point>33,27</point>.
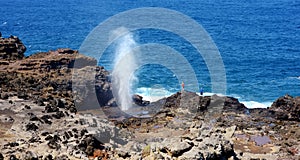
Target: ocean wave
<point>254,104</point>
<point>294,77</point>
<point>154,94</point>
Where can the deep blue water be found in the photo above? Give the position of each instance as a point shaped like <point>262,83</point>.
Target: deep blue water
<point>259,41</point>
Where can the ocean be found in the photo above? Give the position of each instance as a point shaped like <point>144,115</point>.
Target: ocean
<point>259,41</point>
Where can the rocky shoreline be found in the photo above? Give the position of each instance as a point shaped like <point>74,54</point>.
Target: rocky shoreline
<point>45,115</point>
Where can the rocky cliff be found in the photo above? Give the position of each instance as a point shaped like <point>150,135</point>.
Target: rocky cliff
<point>59,105</point>
<point>11,48</point>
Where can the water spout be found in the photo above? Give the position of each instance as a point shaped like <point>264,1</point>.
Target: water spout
<point>124,67</point>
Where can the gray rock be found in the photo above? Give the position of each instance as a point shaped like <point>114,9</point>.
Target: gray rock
<point>191,155</point>
<point>176,146</point>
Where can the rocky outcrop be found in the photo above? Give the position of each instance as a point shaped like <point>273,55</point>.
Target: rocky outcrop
<point>11,48</point>
<point>48,77</point>
<point>286,108</point>
<point>138,100</point>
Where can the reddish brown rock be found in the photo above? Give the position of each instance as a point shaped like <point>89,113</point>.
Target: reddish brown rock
<point>11,48</point>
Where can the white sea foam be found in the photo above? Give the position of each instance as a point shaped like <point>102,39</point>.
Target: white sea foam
<point>153,94</point>
<point>298,78</point>
<point>254,104</point>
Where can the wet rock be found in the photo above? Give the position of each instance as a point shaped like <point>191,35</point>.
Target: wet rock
<point>138,100</point>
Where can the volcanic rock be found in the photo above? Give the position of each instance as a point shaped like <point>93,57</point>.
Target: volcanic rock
<point>11,48</point>
<point>287,108</point>
<point>31,126</point>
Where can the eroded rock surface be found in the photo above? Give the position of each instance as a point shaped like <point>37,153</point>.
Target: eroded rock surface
<point>59,105</point>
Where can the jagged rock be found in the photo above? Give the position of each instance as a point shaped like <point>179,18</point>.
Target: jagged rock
<point>11,48</point>
<point>60,103</point>
<point>12,144</point>
<point>34,139</point>
<point>233,105</point>
<point>46,118</point>
<point>89,144</point>
<point>287,108</point>
<point>54,142</point>
<point>33,117</point>
<point>58,114</point>
<point>31,126</point>
<point>138,100</point>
